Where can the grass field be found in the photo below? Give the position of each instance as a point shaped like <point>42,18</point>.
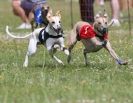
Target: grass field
<point>103,81</point>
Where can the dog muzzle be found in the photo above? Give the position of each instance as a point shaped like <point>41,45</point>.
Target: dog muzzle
<point>58,30</point>
<point>103,30</point>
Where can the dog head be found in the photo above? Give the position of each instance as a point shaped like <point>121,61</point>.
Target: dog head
<point>55,22</point>
<point>46,11</point>
<point>101,23</point>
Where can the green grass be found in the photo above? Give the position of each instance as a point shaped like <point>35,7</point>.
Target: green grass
<point>44,81</point>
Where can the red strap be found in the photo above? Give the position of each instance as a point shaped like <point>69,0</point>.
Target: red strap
<point>105,36</point>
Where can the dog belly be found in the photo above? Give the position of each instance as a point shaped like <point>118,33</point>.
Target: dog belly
<point>90,46</point>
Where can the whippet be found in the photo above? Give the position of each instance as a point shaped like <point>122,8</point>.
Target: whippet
<point>41,11</point>
<point>94,37</point>
<point>51,37</point>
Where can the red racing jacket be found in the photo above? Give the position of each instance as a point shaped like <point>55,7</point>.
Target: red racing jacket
<point>87,31</point>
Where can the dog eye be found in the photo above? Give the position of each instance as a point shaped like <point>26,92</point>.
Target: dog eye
<point>53,22</point>
<point>59,21</point>
<point>105,22</point>
<point>48,7</point>
<point>99,23</point>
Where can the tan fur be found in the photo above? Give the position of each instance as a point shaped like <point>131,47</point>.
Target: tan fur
<point>72,37</point>
<point>93,44</point>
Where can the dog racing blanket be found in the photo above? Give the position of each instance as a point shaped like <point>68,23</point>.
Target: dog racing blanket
<point>87,31</point>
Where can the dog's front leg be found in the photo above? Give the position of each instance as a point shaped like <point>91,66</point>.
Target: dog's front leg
<point>70,51</point>
<point>114,55</point>
<point>63,48</point>
<point>51,50</point>
<point>97,42</point>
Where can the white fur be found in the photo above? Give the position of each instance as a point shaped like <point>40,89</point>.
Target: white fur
<point>21,37</point>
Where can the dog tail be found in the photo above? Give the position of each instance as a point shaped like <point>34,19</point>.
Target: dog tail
<point>16,37</point>
<point>72,37</point>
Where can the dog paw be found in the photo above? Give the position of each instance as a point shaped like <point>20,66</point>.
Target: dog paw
<point>66,52</point>
<point>56,46</point>
<point>25,65</point>
<point>122,62</point>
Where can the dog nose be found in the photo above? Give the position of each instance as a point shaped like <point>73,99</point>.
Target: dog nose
<point>58,27</point>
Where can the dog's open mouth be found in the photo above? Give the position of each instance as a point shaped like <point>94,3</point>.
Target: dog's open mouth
<point>58,30</point>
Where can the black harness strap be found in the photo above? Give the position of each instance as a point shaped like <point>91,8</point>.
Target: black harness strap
<point>58,36</point>
<point>100,37</point>
<point>103,32</point>
<point>43,36</point>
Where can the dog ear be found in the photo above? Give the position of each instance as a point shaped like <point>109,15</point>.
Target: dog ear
<point>49,14</point>
<point>105,15</point>
<point>97,16</point>
<point>45,6</point>
<point>58,13</point>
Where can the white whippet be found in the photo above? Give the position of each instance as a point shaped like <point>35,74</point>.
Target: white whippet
<point>94,37</point>
<point>51,37</point>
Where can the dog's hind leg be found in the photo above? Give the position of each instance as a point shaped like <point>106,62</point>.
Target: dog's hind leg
<point>31,49</point>
<point>85,56</point>
<point>71,41</point>
<point>70,50</point>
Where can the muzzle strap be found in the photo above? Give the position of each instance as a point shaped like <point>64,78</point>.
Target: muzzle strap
<point>104,31</point>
